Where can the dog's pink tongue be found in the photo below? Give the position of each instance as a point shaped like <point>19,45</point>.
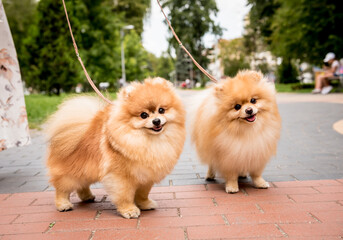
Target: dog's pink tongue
<point>252,118</point>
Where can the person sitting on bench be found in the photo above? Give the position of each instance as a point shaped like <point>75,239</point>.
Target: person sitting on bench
<point>322,82</point>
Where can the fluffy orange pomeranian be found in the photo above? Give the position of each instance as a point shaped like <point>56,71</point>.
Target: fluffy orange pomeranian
<point>128,146</point>
<point>236,128</point>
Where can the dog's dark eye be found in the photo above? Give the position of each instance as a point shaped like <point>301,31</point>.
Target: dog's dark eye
<point>161,110</point>
<point>144,115</point>
<point>253,100</point>
<point>237,107</point>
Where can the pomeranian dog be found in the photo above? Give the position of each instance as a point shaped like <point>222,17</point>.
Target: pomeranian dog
<point>128,146</point>
<point>236,128</point>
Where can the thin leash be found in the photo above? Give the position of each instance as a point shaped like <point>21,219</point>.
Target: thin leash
<point>184,48</point>
<point>85,70</point>
<point>80,60</point>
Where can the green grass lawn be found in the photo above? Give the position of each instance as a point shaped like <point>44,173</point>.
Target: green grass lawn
<point>39,107</point>
<point>282,87</point>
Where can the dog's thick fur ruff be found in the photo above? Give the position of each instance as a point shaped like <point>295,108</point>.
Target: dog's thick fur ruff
<point>91,142</point>
<point>225,139</point>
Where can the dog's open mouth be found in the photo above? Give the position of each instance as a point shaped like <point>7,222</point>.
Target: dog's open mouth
<point>157,128</point>
<point>251,118</point>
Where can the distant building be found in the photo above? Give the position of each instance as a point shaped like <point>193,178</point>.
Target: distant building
<point>262,58</point>
<point>225,52</point>
<point>215,67</point>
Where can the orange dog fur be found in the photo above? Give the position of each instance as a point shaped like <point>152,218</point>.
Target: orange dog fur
<point>236,128</point>
<point>118,145</point>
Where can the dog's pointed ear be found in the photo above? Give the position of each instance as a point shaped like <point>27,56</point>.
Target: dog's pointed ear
<point>219,87</point>
<point>125,92</point>
<point>219,90</point>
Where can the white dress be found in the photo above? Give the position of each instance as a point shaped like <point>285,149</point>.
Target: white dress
<point>14,130</point>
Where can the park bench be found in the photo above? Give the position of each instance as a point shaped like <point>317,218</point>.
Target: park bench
<point>339,78</point>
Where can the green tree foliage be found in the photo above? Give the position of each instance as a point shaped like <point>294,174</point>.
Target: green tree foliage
<point>51,65</point>
<point>97,34</point>
<point>259,29</point>
<point>233,57</point>
<point>184,67</point>
<point>132,12</point>
<point>136,58</point>
<point>165,66</point>
<point>49,62</point>
<point>152,63</point>
<point>263,67</point>
<point>20,14</point>
<point>308,29</point>
<point>287,72</point>
<point>161,66</point>
<point>297,29</point>
<point>232,67</point>
<point>191,20</point>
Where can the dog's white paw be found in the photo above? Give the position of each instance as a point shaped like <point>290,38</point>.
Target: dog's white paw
<point>86,195</point>
<point>90,198</point>
<point>64,206</point>
<point>231,189</point>
<point>231,186</point>
<point>133,212</point>
<point>147,205</point>
<point>260,183</point>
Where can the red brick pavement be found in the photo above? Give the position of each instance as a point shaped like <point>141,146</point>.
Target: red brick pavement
<point>292,210</point>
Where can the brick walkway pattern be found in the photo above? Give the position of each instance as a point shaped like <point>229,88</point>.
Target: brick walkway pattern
<point>290,210</point>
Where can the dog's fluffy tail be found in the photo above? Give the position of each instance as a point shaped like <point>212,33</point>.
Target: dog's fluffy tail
<point>67,126</point>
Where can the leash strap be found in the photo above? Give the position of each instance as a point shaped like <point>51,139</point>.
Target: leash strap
<point>184,48</point>
<point>85,70</point>
<point>80,60</point>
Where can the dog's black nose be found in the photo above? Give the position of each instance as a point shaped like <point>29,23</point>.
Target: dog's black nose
<point>156,122</point>
<point>249,110</point>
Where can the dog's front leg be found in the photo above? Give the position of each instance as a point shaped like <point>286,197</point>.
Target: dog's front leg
<point>122,194</point>
<point>142,197</point>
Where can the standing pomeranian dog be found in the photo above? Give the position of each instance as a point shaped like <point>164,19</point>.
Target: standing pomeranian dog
<point>236,128</point>
<point>128,146</point>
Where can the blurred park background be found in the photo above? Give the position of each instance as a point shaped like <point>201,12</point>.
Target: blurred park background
<point>285,39</point>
